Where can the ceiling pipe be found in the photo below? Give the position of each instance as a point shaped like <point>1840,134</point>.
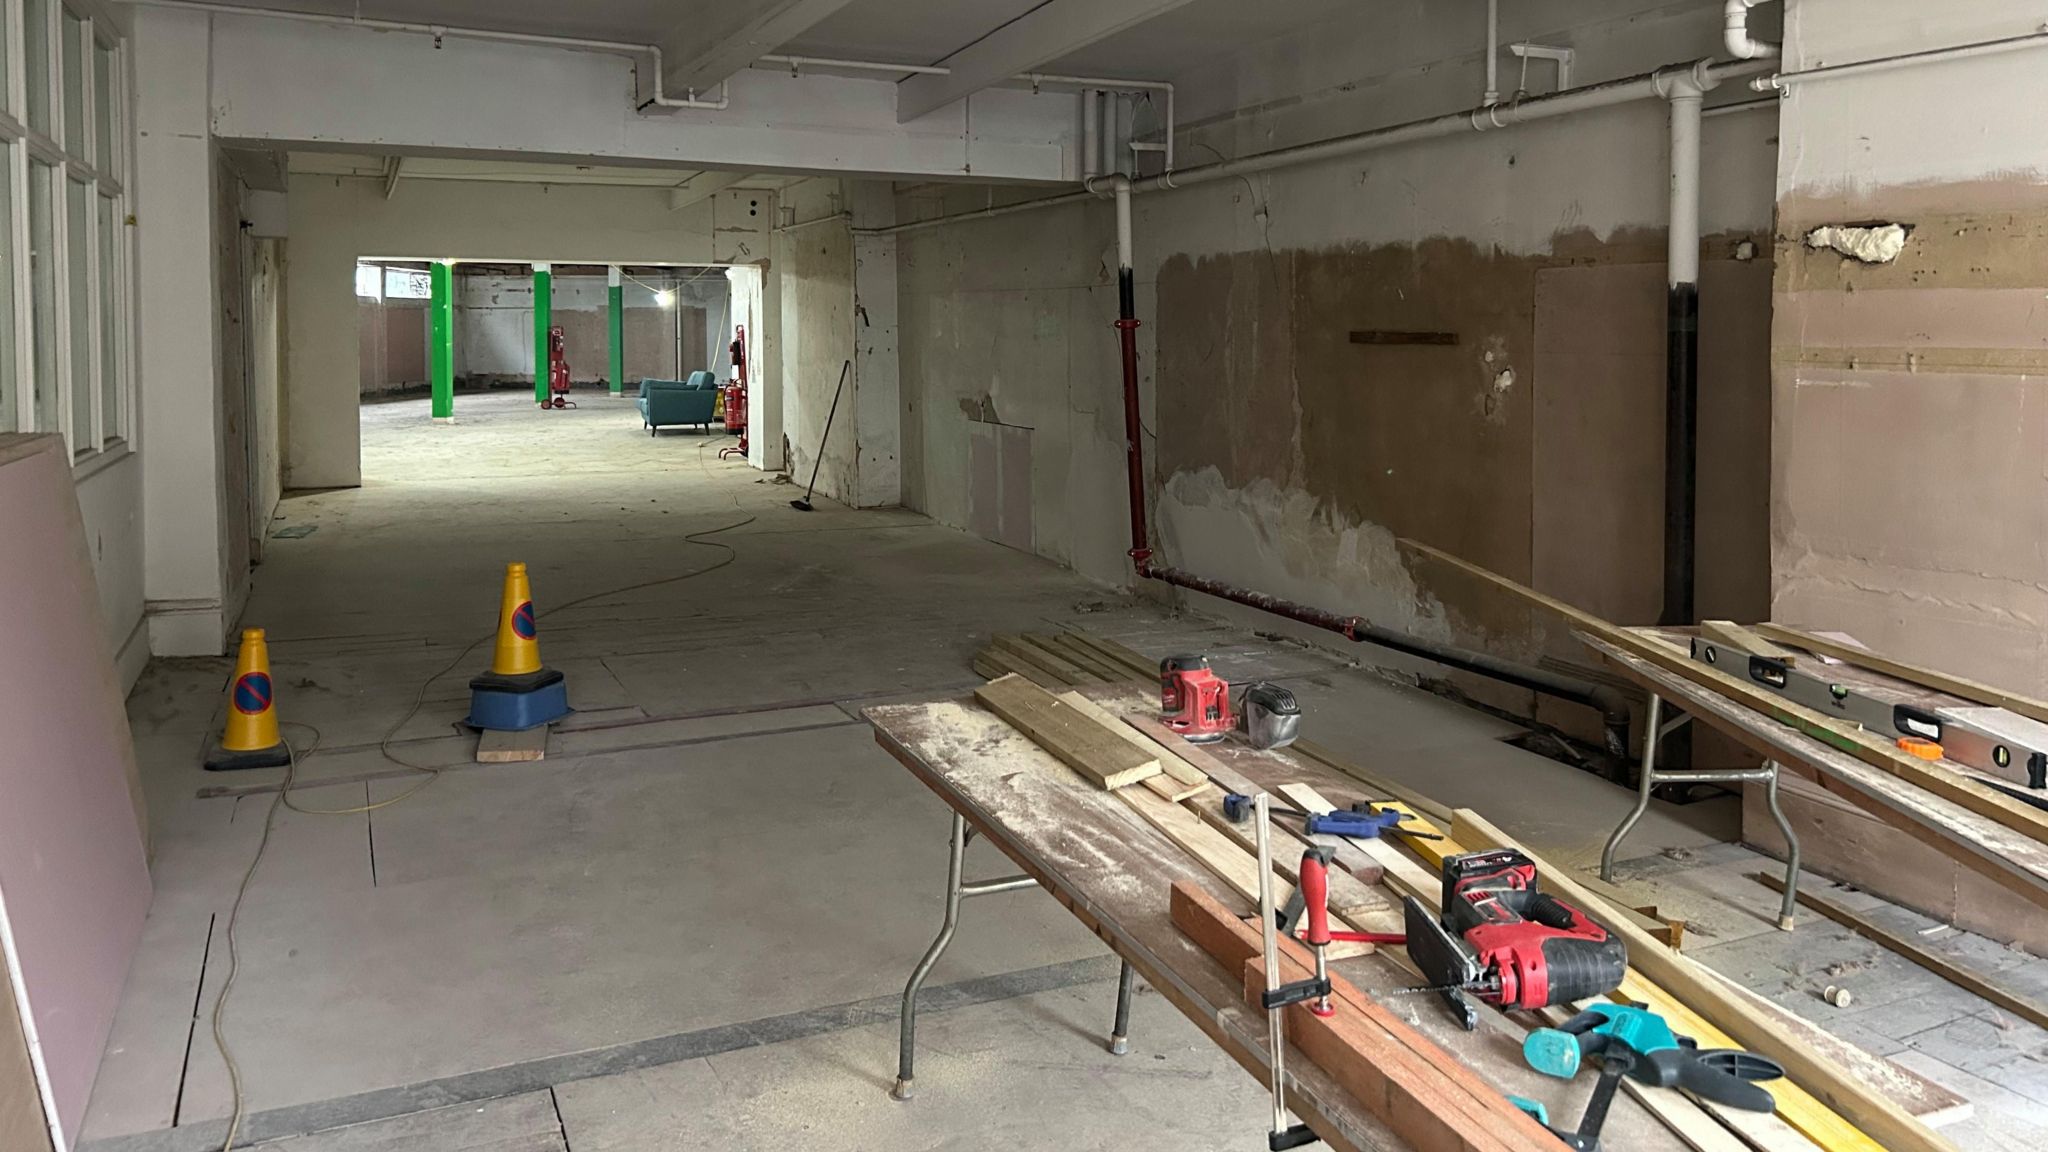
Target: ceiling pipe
<point>1107,84</point>
<point>1784,80</point>
<point>630,51</point>
<point>1740,43</point>
<point>1626,90</point>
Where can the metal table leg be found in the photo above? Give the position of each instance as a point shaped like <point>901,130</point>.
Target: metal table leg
<point>1785,910</point>
<point>1649,781</point>
<point>956,890</point>
<point>1120,1034</point>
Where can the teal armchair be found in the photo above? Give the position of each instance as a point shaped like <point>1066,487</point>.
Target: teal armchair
<point>665,403</point>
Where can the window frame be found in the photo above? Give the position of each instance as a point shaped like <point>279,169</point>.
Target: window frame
<point>73,151</point>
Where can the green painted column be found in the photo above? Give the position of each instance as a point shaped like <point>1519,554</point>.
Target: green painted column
<point>442,316</point>
<point>543,318</point>
<point>618,330</point>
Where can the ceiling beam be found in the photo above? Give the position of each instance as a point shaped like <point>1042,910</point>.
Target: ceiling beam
<point>701,186</point>
<point>699,54</point>
<point>1044,34</point>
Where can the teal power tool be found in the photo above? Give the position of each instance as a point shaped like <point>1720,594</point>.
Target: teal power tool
<point>1361,821</point>
<point>1637,1043</point>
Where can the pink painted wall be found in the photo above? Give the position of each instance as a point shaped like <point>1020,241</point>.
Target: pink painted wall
<point>72,869</point>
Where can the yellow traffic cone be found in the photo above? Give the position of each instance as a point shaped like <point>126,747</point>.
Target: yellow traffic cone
<point>250,738</point>
<point>517,693</point>
<point>518,651</point>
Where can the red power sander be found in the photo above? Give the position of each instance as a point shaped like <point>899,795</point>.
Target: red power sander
<point>1506,941</point>
<point>1193,700</point>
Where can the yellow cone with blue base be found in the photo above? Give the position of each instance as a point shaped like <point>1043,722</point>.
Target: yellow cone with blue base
<point>250,738</point>
<point>518,651</point>
<point>517,692</point>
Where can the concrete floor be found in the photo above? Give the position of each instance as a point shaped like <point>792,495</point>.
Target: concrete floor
<point>690,923</point>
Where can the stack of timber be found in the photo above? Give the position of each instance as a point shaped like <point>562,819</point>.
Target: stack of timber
<point>1835,1098</point>
<point>1929,834</point>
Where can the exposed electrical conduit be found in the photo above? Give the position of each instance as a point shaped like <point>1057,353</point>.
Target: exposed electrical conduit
<point>1741,44</point>
<point>1783,80</point>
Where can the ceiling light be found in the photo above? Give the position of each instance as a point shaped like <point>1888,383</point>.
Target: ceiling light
<point>665,298</point>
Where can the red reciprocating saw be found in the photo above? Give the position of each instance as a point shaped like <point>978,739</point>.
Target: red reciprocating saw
<point>1508,942</point>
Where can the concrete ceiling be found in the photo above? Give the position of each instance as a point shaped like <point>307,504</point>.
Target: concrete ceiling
<point>911,31</point>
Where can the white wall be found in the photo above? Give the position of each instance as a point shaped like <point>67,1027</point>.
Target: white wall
<point>1907,481</point>
<point>178,388</point>
<point>1283,457</point>
<point>336,220</point>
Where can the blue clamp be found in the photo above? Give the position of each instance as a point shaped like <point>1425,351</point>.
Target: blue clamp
<point>1667,1060</point>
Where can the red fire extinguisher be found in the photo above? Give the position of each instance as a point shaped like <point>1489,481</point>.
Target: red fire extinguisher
<point>736,394</point>
<point>558,371</point>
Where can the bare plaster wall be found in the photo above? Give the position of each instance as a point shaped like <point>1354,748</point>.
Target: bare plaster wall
<point>1910,506</point>
<point>815,279</point>
<point>1285,456</point>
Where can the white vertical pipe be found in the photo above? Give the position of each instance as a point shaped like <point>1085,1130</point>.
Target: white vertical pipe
<point>1741,44</point>
<point>1106,164</point>
<point>1125,258</point>
<point>1684,251</point>
<point>1492,95</point>
<point>1091,133</point>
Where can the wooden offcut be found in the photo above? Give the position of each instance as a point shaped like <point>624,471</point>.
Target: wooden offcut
<point>1079,742</point>
<point>1972,982</point>
<point>1878,1117</point>
<point>495,747</point>
<point>1178,780</point>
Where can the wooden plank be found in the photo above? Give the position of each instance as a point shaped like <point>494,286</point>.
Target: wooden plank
<point>1067,645</point>
<point>1003,664</point>
<point>1424,1094</point>
<point>1405,874</point>
<point>2006,855</point>
<point>1884,1124</point>
<point>1729,632</point>
<point>1141,668</point>
<point>1350,897</point>
<point>1349,858</point>
<point>1845,841</point>
<point>1079,742</point>
<point>1414,799</point>
<point>495,747</point>
<point>1801,1112</point>
<point>1866,747</point>
<point>1925,677</point>
<point>1670,933</point>
<point>1169,751</point>
<point>1023,649</point>
<point>1911,949</point>
<point>1878,752</point>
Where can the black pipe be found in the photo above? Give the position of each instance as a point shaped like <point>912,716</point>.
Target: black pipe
<point>1681,450</point>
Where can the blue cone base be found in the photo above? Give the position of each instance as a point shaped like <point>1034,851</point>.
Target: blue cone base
<point>510,711</point>
<point>224,760</point>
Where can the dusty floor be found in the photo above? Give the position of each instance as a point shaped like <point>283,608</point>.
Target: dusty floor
<point>690,923</point>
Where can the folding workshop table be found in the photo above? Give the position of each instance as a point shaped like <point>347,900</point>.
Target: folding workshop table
<point>1090,851</point>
